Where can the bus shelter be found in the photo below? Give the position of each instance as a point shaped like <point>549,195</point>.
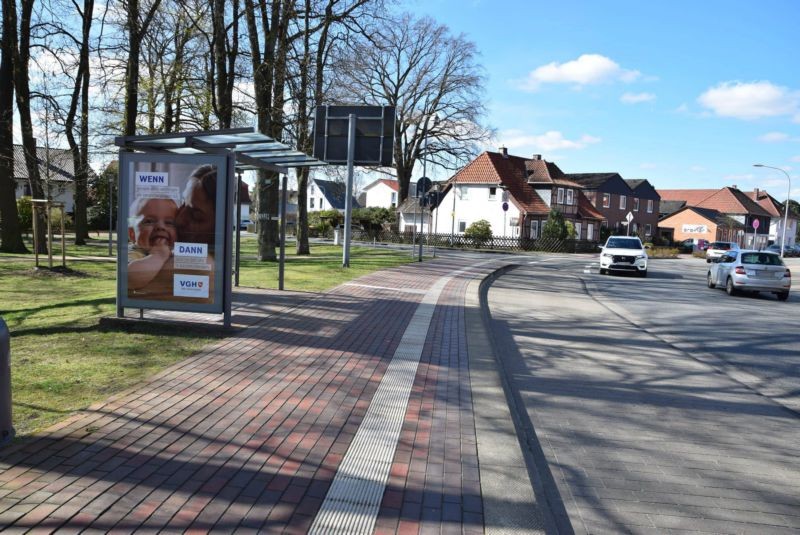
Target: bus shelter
<point>176,209</point>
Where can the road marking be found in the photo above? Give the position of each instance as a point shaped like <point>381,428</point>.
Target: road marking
<point>386,288</point>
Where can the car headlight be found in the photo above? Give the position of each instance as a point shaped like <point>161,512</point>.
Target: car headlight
<point>642,257</point>
<point>608,255</point>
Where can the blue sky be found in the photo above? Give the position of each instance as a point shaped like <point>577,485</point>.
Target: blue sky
<point>686,94</point>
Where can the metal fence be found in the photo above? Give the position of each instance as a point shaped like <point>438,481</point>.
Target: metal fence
<point>457,241</point>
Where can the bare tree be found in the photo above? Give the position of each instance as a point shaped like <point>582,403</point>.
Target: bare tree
<point>137,25</point>
<point>318,27</point>
<point>10,232</point>
<point>22,53</point>
<point>435,82</point>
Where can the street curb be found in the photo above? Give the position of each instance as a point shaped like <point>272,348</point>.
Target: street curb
<point>514,499</point>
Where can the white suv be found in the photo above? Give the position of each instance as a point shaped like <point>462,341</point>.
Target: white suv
<point>623,253</point>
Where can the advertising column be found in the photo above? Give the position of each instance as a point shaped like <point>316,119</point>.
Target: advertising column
<point>173,212</point>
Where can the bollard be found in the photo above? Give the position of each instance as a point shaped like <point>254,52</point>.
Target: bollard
<point>6,428</point>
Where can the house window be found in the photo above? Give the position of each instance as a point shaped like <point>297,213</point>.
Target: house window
<point>311,202</point>
<point>577,231</point>
<point>622,201</point>
<point>606,200</point>
<point>320,203</point>
<point>570,197</point>
<point>492,193</point>
<point>534,229</point>
<point>311,189</point>
<point>590,231</point>
<point>462,226</point>
<point>648,229</point>
<point>464,192</point>
<point>604,224</point>
<point>394,199</point>
<point>649,206</point>
<point>636,204</point>
<point>560,196</point>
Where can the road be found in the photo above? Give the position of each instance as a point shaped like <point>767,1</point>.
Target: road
<point>653,405</point>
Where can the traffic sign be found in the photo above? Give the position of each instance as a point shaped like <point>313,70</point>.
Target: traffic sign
<point>505,207</point>
<point>629,217</point>
<point>755,224</point>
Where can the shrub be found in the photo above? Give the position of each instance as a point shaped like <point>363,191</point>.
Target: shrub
<point>555,227</point>
<point>479,232</point>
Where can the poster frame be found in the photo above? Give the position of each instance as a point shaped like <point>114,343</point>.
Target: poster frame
<point>225,164</point>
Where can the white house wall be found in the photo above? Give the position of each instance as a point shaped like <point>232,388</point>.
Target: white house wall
<point>476,206</point>
<point>380,196</point>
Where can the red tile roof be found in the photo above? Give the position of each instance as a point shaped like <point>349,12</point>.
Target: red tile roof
<point>585,208</point>
<point>726,200</point>
<point>767,202</point>
<point>494,168</point>
<point>393,184</point>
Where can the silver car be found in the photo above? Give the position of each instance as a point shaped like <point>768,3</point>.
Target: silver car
<point>751,271</point>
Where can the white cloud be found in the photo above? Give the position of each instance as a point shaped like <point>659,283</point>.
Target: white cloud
<point>750,100</point>
<point>549,141</point>
<point>586,70</point>
<point>636,98</point>
<point>796,158</point>
<point>773,137</point>
<point>683,108</point>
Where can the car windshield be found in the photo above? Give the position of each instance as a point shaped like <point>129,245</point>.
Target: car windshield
<point>764,259</point>
<point>720,245</point>
<point>624,243</point>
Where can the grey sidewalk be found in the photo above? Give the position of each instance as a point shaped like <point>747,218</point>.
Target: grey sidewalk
<point>259,431</point>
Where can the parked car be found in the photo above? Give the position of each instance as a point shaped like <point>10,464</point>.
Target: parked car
<point>751,271</point>
<point>623,253</point>
<point>719,248</point>
<point>691,245</point>
<point>244,224</point>
<point>788,251</point>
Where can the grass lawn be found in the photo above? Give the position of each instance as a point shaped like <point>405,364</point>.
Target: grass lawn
<point>62,362</point>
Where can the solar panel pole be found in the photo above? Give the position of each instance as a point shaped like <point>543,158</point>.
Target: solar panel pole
<point>348,202</point>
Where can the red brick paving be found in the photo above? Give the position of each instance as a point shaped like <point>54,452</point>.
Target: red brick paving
<point>248,433</point>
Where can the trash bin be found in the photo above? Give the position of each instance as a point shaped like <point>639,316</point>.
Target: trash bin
<point>6,428</point>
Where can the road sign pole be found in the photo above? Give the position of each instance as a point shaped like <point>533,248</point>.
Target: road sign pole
<point>348,202</point>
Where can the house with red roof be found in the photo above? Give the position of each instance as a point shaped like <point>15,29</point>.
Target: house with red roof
<point>753,221</point>
<point>776,211</point>
<point>381,193</point>
<point>515,195</point>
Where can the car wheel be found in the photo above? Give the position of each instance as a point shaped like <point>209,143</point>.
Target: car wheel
<point>603,271</point>
<point>710,281</point>
<point>730,288</point>
<point>783,296</point>
<point>708,260</point>
<point>643,274</point>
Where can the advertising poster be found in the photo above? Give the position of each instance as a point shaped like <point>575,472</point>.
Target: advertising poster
<point>174,226</point>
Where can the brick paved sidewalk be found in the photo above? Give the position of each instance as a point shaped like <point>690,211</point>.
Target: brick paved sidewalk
<point>248,434</point>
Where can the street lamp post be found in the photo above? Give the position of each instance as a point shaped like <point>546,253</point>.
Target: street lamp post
<point>786,206</point>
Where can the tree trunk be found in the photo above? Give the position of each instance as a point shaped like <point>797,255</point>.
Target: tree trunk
<point>21,85</point>
<point>10,232</point>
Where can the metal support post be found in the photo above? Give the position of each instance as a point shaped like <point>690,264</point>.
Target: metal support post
<point>238,224</point>
<point>6,424</point>
<point>348,201</point>
<point>282,258</point>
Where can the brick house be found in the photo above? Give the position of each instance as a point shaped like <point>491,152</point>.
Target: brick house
<point>702,223</point>
<point>615,197</point>
<point>728,201</point>
<point>645,207</point>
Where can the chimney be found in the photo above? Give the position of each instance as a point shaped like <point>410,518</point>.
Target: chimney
<point>504,152</point>
<point>756,192</point>
<point>537,156</point>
